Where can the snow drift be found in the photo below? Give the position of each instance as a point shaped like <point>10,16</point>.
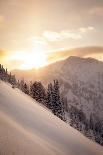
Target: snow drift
<point>26,128</point>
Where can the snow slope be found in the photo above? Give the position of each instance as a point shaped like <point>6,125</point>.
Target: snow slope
<point>26,128</point>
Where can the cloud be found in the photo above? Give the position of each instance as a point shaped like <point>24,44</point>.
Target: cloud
<point>58,55</point>
<point>70,35</point>
<point>49,40</point>
<point>86,29</point>
<point>39,40</point>
<point>80,52</point>
<point>84,51</point>
<point>52,36</point>
<point>62,35</point>
<point>67,34</point>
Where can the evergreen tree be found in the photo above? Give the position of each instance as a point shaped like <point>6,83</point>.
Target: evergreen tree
<point>26,89</point>
<point>13,80</point>
<point>5,76</point>
<point>9,79</point>
<point>6,71</point>
<point>31,89</point>
<point>92,126</point>
<point>54,101</point>
<point>49,98</point>
<point>38,92</point>
<point>21,85</point>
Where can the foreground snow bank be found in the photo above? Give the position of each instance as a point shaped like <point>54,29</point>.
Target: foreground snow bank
<point>26,128</point>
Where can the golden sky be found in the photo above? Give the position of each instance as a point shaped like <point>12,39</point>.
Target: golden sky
<point>32,30</point>
<point>28,60</point>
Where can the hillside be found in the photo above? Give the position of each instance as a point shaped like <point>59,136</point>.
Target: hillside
<point>81,82</point>
<point>81,86</point>
<point>27,128</point>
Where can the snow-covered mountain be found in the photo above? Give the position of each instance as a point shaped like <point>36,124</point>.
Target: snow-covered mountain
<point>81,82</point>
<point>27,128</point>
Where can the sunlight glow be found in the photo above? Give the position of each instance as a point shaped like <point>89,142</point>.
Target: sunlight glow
<point>36,60</point>
<point>97,56</point>
<point>30,59</point>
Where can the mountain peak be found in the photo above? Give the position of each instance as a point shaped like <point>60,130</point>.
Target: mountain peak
<point>80,59</point>
<point>74,58</point>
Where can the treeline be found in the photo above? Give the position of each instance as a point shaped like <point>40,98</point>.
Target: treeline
<point>92,127</point>
<point>52,99</point>
<point>6,76</point>
<point>49,97</point>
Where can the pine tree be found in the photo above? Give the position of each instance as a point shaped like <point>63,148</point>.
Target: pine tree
<point>37,91</point>
<point>31,89</point>
<point>91,122</point>
<point>55,102</point>
<point>5,76</point>
<point>9,79</point>
<point>49,98</point>
<point>25,89</point>
<point>21,85</point>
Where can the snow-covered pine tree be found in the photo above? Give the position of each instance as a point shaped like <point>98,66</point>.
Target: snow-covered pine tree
<point>26,88</point>
<point>91,123</point>
<point>13,80</point>
<point>30,89</point>
<point>58,108</point>
<point>9,78</point>
<point>5,76</point>
<point>41,93</point>
<point>18,84</point>
<point>49,98</point>
<point>38,92</point>
<point>21,85</point>
<point>2,73</point>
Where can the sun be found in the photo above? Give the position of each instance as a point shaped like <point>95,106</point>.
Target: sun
<point>35,60</point>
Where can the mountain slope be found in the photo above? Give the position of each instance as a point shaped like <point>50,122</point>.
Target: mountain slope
<point>81,82</point>
<point>27,128</point>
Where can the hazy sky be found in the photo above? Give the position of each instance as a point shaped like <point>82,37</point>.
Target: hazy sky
<point>48,25</point>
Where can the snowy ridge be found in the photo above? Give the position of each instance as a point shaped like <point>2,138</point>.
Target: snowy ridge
<point>81,86</point>
<point>78,77</point>
<point>27,128</point>
<point>81,79</point>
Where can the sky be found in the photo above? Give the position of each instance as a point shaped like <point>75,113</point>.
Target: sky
<point>39,27</point>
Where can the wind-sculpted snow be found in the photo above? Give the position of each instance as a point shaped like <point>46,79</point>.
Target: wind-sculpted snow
<point>26,128</point>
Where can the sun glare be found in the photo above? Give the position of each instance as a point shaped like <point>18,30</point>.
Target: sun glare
<point>36,60</point>
<point>30,59</point>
